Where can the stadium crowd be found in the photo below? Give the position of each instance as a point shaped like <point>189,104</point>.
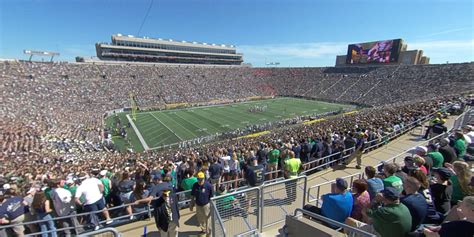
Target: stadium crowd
<point>53,162</point>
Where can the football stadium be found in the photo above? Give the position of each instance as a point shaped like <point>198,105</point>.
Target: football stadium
<point>147,136</point>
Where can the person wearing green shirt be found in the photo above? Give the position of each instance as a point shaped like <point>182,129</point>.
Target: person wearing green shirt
<point>394,218</point>
<point>107,185</point>
<point>459,144</point>
<point>461,181</point>
<point>188,182</point>
<point>272,164</point>
<point>392,180</point>
<point>436,156</point>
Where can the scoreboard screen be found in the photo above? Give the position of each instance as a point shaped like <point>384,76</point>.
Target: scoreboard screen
<point>377,52</point>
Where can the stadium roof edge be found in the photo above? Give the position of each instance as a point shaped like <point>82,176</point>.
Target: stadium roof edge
<point>172,41</point>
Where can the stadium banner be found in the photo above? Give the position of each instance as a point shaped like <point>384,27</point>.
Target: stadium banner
<point>351,112</point>
<point>313,121</point>
<point>377,52</point>
<point>259,97</point>
<point>253,135</point>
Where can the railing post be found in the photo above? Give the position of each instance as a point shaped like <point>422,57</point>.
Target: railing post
<point>260,204</point>
<point>317,196</point>
<point>213,219</point>
<point>304,190</point>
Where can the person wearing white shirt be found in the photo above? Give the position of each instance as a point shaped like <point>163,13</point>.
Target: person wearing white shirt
<point>91,191</point>
<point>64,206</point>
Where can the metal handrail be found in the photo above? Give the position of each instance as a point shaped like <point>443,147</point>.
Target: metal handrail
<point>332,222</point>
<point>215,214</point>
<point>318,186</point>
<point>105,230</point>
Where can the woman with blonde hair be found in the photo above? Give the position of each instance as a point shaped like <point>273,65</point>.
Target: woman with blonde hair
<point>461,181</point>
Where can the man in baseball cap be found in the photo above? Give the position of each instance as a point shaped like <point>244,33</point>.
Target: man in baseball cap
<point>202,192</point>
<point>441,191</point>
<point>166,213</point>
<point>394,218</point>
<point>336,205</point>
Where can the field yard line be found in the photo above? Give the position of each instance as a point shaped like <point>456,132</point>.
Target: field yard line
<point>139,135</point>
<point>192,123</point>
<point>194,134</point>
<point>218,105</point>
<point>166,127</point>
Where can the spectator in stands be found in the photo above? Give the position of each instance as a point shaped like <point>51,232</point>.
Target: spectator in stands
<point>435,155</point>
<point>422,151</point>
<point>442,190</point>
<point>420,163</point>
<point>139,198</point>
<point>292,167</point>
<point>43,210</point>
<point>12,212</point>
<point>107,185</point>
<point>202,193</point>
<point>414,201</point>
<point>29,214</point>
<point>234,165</point>
<point>337,205</point>
<point>126,187</point>
<point>391,180</point>
<point>189,181</point>
<point>374,184</point>
<point>63,203</point>
<point>459,144</point>
<point>158,186</point>
<point>463,227</point>
<point>166,214</point>
<point>393,219</point>
<point>272,163</point>
<point>254,173</point>
<point>461,181</point>
<point>409,164</point>
<point>91,190</point>
<point>432,215</point>
<point>215,171</point>
<point>361,198</point>
<point>448,152</point>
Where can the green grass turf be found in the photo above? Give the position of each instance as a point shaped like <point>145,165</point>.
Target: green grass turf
<point>166,127</point>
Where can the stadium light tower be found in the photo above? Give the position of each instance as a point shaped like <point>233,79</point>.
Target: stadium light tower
<point>40,53</point>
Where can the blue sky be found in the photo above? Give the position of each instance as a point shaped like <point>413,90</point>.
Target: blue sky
<point>292,32</point>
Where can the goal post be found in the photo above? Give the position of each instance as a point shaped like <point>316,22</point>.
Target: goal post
<point>133,106</point>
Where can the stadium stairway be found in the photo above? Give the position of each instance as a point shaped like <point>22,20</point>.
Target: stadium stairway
<point>188,221</point>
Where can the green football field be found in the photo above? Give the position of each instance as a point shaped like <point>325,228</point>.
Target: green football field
<point>155,129</point>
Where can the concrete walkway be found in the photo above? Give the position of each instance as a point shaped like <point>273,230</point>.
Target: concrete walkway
<point>188,221</point>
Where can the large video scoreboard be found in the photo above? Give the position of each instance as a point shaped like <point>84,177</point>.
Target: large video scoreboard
<point>377,52</point>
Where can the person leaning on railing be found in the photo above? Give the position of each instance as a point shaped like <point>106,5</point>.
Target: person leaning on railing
<point>11,212</point>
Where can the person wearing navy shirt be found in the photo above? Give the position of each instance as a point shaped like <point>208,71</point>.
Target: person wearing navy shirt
<point>201,196</point>
<point>415,202</point>
<point>255,173</point>
<point>12,211</point>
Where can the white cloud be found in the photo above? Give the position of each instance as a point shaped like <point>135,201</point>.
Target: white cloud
<point>444,32</point>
